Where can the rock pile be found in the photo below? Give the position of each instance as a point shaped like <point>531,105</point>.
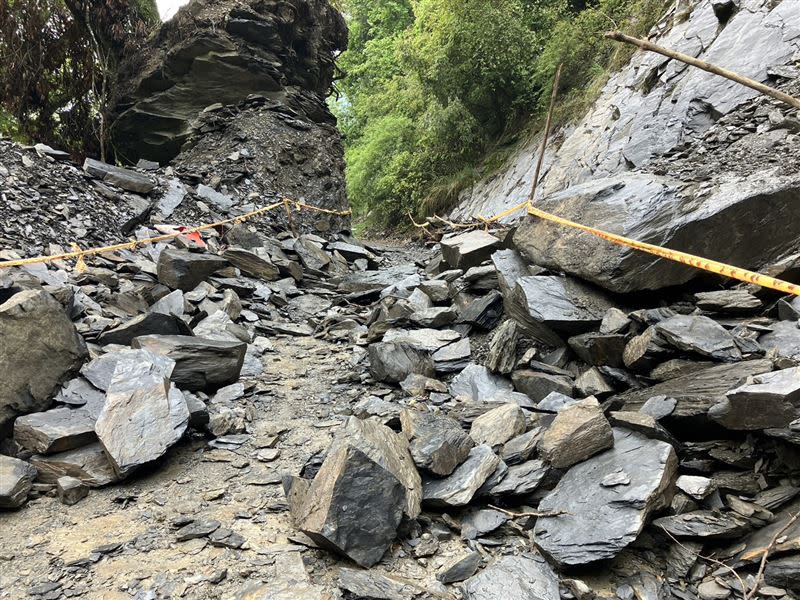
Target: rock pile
<point>627,443</point>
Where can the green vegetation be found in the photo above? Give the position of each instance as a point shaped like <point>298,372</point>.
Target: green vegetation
<point>58,66</point>
<point>437,91</point>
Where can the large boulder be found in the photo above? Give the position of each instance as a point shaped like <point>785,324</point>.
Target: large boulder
<point>607,500</point>
<point>183,270</point>
<point>40,349</point>
<point>200,363</point>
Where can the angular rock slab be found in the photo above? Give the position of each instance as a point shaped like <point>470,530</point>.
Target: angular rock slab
<point>153,323</point>
<point>256,263</point>
<point>183,270</point>
<point>784,340</point>
<point>437,444</point>
<point>143,416</point>
<point>468,249</point>
<point>200,363</point>
<point>394,361</point>
<point>353,506</point>
<point>478,384</point>
<point>458,488</point>
<point>763,402</point>
<point>55,430</point>
<point>523,577</point>
<point>577,432</point>
<point>604,520</point>
<point>89,463</point>
<point>546,306</point>
<point>16,480</point>
<point>40,348</point>
<point>699,335</point>
<point>497,426</point>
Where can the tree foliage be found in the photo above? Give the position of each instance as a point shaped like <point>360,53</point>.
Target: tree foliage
<point>432,85</point>
<point>58,61</point>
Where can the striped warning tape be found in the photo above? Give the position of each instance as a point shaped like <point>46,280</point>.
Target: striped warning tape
<point>80,254</point>
<point>698,262</point>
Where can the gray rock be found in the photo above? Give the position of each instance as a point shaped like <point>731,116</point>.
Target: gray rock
<point>537,385</point>
<point>124,178</point>
<point>100,370</point>
<point>222,202</point>
<point>388,449</point>
<point>453,357</point>
<point>521,479</point>
<point>40,349</point>
<point>183,270</point>
<point>695,486</point>
<point>523,577</point>
<point>460,568</point>
<point>436,289</point>
<point>645,351</point>
<point>784,340</point>
<point>484,312</point>
<point>200,363</point>
<point>394,361</point>
<point>142,418</point>
<point>437,444</point>
<point>172,198</point>
<point>477,522</point>
<point>468,249</point>
<point>699,335</point>
<point>503,348</point>
<point>659,407</point>
<point>614,321</point>
<point>762,402</point>
<point>373,281</point>
<point>548,306</point>
<point>510,268</point>
<point>577,432</point>
<point>434,317</point>
<point>522,447</point>
<point>367,584</point>
<point>55,430</point>
<point>705,524</point>
<point>642,423</point>
<point>353,506</point>
<point>499,425</point>
<point>728,302</point>
<point>311,254</point>
<point>146,324</point>
<point>604,520</point>
<point>789,310</point>
<point>255,262</point>
<point>196,529</point>
<point>171,304</point>
<point>71,490</point>
<point>555,402</point>
<point>592,383</point>
<point>16,480</point>
<point>476,383</point>
<point>599,349</point>
<point>89,463</point>
<point>458,488</point>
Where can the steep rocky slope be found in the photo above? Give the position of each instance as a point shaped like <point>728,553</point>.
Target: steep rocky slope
<point>672,155</point>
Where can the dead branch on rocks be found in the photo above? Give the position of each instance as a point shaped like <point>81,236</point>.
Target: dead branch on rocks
<point>709,559</point>
<point>534,513</point>
<point>705,66</point>
<point>772,543</point>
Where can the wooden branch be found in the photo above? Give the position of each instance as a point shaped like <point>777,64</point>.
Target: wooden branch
<point>772,543</point>
<point>528,514</point>
<point>705,66</point>
<point>547,125</point>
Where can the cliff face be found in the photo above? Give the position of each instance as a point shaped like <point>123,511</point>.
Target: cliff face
<point>225,76</point>
<point>672,155</point>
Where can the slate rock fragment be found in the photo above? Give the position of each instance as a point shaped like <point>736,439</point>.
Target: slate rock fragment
<point>604,520</point>
<point>458,488</point>
<point>770,400</point>
<point>88,463</point>
<point>503,348</point>
<point>143,416</point>
<point>575,434</point>
<point>728,301</point>
<point>521,479</point>
<point>699,335</point>
<point>40,349</point>
<point>55,430</point>
<point>394,361</point>
<point>16,480</point>
<point>522,447</point>
<point>523,577</point>
<point>436,443</point>
<point>704,524</point>
<point>460,568</point>
<point>184,270</point>
<point>255,262</point>
<point>146,324</point>
<point>200,363</point>
<point>537,385</point>
<point>469,249</point>
<point>71,490</point>
<point>498,425</point>
<point>478,384</point>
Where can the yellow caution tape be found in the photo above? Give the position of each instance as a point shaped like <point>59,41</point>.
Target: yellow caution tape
<point>698,262</point>
<point>80,255</point>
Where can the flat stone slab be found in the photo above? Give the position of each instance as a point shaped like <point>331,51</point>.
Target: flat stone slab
<point>523,577</point>
<point>436,443</point>
<point>55,430</point>
<point>184,270</point>
<point>458,488</point>
<point>124,178</point>
<point>394,361</point>
<point>577,432</point>
<point>478,384</point>
<point>88,463</point>
<point>146,324</point>
<point>770,400</point>
<point>605,519</point>
<point>469,249</point>
<point>699,335</point>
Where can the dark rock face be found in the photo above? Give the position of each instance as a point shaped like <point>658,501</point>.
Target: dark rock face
<point>242,86</point>
<point>146,324</point>
<point>578,432</point>
<point>606,518</point>
<point>437,444</point>
<point>40,348</point>
<point>200,363</point>
<point>353,506</point>
<point>699,335</point>
<point>182,270</point>
<point>55,430</point>
<point>469,249</point>
<point>89,463</point>
<point>458,488</point>
<point>394,361</point>
<point>764,401</point>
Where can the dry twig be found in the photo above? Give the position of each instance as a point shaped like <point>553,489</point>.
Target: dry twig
<point>772,543</point>
<point>534,513</point>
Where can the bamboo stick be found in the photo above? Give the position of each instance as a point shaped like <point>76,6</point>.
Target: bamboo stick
<point>705,66</point>
<point>547,125</point>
